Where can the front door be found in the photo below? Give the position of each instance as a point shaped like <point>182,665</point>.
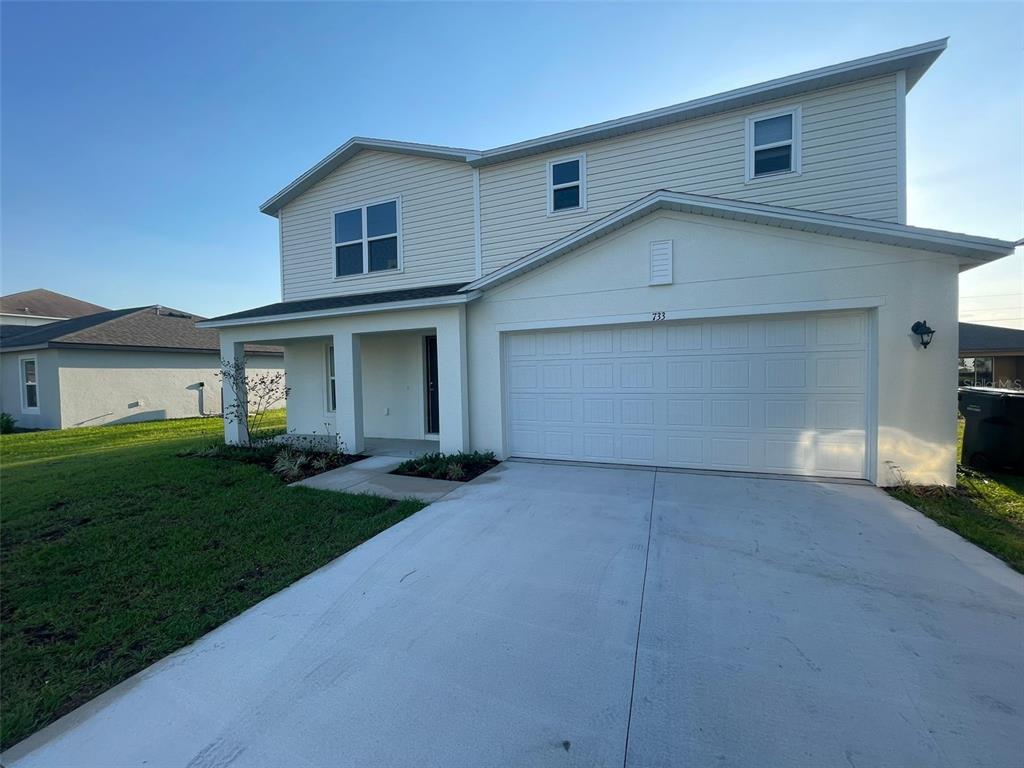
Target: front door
<point>430,368</point>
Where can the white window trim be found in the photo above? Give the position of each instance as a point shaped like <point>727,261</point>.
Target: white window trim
<point>367,240</point>
<point>330,381</point>
<point>22,383</point>
<point>796,142</point>
<point>582,158</point>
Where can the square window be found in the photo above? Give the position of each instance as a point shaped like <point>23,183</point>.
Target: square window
<point>773,129</point>
<point>381,219</point>
<point>367,239</point>
<point>384,254</point>
<point>348,226</point>
<point>566,197</point>
<point>565,173</point>
<point>349,259</point>
<point>775,160</point>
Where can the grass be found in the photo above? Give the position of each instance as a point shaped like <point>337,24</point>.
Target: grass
<point>117,551</point>
<point>986,509</point>
<point>460,466</point>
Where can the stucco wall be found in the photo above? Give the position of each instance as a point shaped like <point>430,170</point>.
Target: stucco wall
<point>113,387</point>
<point>308,412</point>
<point>48,416</point>
<point>731,268</point>
<point>393,394</point>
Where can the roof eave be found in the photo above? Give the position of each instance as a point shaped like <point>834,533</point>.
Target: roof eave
<point>361,309</point>
<point>348,150</point>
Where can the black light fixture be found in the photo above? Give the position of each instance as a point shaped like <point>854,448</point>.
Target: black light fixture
<point>922,329</point>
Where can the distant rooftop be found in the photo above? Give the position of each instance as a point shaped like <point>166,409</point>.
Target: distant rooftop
<point>153,328</point>
<point>40,302</point>
<point>990,338</point>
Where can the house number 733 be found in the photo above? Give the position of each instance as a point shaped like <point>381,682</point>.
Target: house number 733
<point>656,316</point>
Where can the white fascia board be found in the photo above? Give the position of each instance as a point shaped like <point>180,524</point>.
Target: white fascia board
<point>348,150</point>
<point>914,60</point>
<point>363,309</point>
<point>976,249</point>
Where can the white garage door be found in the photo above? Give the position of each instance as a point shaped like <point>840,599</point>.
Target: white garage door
<point>783,394</point>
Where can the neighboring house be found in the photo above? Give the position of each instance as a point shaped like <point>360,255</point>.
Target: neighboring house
<point>40,306</point>
<point>115,366</point>
<point>724,284</point>
<point>991,356</point>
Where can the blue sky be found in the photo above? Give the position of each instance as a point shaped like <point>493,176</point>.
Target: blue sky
<point>138,139</point>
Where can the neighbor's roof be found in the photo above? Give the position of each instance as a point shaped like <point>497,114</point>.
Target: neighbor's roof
<point>432,295</point>
<point>152,328</point>
<point>972,250</point>
<point>914,60</point>
<point>40,302</point>
<point>990,338</point>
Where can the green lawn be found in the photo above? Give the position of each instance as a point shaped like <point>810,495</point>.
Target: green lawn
<point>116,552</point>
<point>986,509</point>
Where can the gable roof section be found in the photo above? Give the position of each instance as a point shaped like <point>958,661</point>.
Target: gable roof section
<point>975,337</point>
<point>970,249</point>
<point>431,295</point>
<point>150,328</point>
<point>40,302</point>
<point>914,60</point>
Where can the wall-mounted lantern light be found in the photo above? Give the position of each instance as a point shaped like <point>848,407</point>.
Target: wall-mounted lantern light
<point>921,329</point>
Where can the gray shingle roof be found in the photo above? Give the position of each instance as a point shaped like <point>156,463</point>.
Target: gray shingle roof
<point>138,328</point>
<point>341,302</point>
<point>990,338</point>
<point>43,303</point>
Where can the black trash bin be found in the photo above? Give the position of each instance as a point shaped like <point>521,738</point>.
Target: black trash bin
<point>994,429</point>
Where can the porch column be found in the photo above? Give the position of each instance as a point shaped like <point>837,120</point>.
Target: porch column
<point>453,386</point>
<point>236,429</point>
<point>348,385</point>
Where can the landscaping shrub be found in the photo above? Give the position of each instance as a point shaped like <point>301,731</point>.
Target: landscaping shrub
<point>7,423</point>
<point>448,466</point>
<point>291,462</point>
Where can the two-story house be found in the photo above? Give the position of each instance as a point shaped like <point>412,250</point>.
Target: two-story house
<point>727,283</point>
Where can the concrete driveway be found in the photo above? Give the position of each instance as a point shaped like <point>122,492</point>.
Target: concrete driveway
<point>550,616</point>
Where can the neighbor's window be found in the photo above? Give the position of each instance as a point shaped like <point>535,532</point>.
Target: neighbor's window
<point>366,239</point>
<point>29,384</point>
<point>976,371</point>
<point>773,144</point>
<point>567,184</point>
<point>332,395</point>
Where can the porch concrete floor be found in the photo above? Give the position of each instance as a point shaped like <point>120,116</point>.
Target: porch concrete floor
<point>407,449</point>
<point>372,476</point>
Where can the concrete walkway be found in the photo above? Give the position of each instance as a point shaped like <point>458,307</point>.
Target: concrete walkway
<point>373,475</point>
<point>551,616</point>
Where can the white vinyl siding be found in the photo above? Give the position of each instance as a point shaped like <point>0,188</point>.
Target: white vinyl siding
<point>437,225</point>
<point>848,166</point>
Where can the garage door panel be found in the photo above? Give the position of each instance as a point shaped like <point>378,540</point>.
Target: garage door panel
<point>761,394</point>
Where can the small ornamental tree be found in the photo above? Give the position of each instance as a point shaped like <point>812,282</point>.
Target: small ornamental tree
<point>254,395</point>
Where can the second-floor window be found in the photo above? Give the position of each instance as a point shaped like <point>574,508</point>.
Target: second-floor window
<point>567,184</point>
<point>773,144</point>
<point>367,239</point>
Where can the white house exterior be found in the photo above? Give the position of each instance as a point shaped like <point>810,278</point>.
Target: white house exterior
<point>114,367</point>
<point>726,284</point>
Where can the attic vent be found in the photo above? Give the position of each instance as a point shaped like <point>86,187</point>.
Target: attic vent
<point>169,313</point>
<point>661,262</point>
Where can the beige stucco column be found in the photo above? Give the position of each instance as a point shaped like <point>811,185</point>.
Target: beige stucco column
<point>236,430</point>
<point>453,386</point>
<point>348,384</point>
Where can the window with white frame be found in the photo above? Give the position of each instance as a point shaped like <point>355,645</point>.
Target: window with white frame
<point>773,144</point>
<point>29,385</point>
<point>367,239</point>
<point>332,394</point>
<point>567,184</point>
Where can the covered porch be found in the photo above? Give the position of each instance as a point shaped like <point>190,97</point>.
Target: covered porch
<point>378,382</point>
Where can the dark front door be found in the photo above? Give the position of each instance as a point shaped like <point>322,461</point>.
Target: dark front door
<point>430,355</point>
